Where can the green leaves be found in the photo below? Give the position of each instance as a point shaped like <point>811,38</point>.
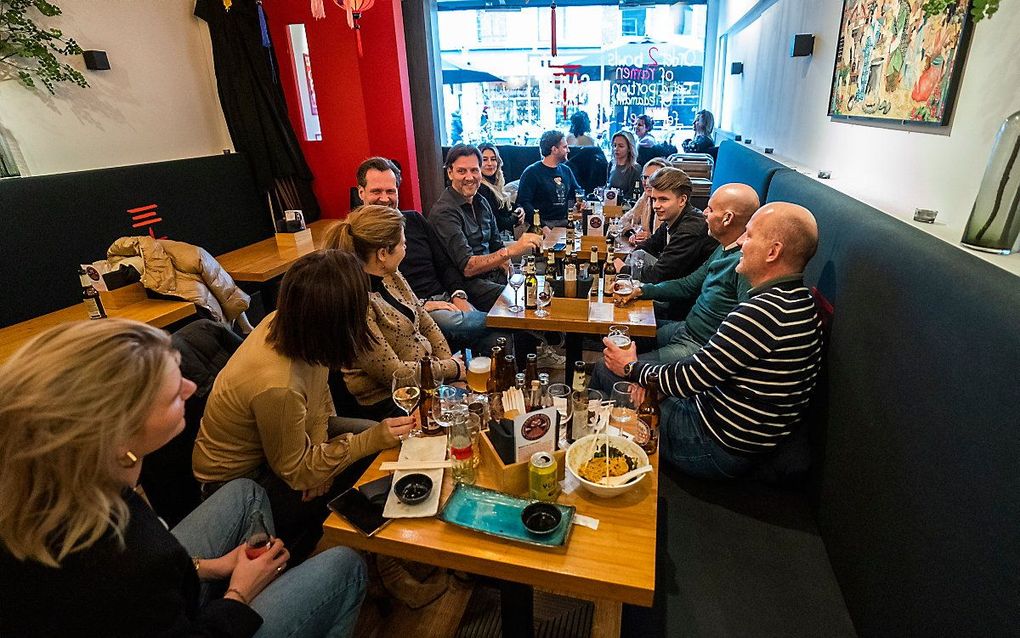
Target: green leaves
<point>979,9</point>
<point>31,51</point>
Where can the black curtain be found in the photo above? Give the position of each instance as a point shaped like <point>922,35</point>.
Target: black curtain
<point>253,102</point>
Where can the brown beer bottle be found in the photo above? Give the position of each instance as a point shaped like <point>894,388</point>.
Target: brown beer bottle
<point>428,394</point>
<point>578,425</point>
<point>509,371</point>
<point>531,369</point>
<point>648,414</point>
<point>492,387</point>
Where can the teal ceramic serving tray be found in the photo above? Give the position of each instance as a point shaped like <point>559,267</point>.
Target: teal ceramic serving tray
<point>498,514</point>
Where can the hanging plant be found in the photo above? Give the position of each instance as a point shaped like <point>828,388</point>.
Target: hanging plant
<point>979,9</point>
<point>30,51</point>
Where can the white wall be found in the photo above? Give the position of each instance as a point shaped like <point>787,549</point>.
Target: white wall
<point>158,101</point>
<point>782,102</point>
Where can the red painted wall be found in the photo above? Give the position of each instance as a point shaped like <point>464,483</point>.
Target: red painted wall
<point>364,103</point>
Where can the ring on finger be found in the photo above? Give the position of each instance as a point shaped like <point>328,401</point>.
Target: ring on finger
<point>279,569</point>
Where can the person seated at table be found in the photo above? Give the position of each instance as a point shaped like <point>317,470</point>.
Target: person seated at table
<point>715,288</point>
<point>269,416</point>
<point>580,126</point>
<point>681,244</point>
<point>83,554</point>
<point>747,389</point>
<point>637,224</point>
<point>703,142</point>
<point>549,185</point>
<point>467,230</point>
<point>625,175</point>
<point>426,267</point>
<point>491,188</point>
<point>402,332</point>
<point>643,126</point>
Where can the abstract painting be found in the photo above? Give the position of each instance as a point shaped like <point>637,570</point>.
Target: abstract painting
<point>899,60</point>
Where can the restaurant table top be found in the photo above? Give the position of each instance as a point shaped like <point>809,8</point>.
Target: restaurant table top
<point>557,235</point>
<point>265,260</point>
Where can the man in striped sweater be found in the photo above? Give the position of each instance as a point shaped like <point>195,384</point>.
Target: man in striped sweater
<point>743,393</point>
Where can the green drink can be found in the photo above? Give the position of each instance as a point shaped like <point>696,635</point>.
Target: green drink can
<point>542,482</point>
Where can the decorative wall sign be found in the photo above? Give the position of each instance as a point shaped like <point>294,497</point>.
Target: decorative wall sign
<point>897,60</point>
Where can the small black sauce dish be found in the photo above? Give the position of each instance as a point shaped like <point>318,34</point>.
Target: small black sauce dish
<point>541,518</point>
<point>413,489</point>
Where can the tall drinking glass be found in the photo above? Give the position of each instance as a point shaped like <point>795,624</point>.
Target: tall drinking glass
<point>545,297</point>
<point>478,371</point>
<point>560,393</point>
<point>516,281</point>
<point>622,289</point>
<point>407,392</point>
<point>623,413</point>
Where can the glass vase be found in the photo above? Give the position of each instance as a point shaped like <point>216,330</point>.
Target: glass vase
<point>994,223</point>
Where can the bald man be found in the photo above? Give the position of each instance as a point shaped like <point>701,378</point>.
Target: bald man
<point>715,288</point>
<point>743,393</point>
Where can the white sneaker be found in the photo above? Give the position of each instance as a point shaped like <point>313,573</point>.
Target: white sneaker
<point>549,358</point>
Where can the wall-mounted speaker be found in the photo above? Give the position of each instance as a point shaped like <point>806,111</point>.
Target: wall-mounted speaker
<point>802,44</point>
<point>736,68</point>
<point>96,60</point>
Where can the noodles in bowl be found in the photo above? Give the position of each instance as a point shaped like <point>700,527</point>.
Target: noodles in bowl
<point>587,461</point>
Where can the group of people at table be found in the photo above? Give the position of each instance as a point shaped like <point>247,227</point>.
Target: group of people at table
<point>84,403</point>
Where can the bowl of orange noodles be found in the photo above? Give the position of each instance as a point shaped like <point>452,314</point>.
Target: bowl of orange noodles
<point>594,457</point>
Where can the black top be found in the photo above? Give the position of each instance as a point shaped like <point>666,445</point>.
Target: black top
<point>626,179</point>
<point>549,190</point>
<point>149,588</point>
<point>681,247</point>
<point>426,266</point>
<point>379,287</point>
<point>700,144</point>
<point>503,213</point>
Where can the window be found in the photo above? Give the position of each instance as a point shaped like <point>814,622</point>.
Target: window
<point>632,22</point>
<point>305,86</point>
<point>491,26</point>
<point>8,167</point>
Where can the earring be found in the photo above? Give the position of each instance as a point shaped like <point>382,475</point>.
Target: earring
<point>128,460</point>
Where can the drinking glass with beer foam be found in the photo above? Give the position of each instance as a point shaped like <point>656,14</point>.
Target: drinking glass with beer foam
<point>478,373</point>
<point>620,336</point>
<point>622,289</point>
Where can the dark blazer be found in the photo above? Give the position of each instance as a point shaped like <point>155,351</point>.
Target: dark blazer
<point>149,588</point>
<point>688,246</point>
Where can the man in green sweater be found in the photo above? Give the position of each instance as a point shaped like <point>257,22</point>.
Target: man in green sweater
<point>715,287</point>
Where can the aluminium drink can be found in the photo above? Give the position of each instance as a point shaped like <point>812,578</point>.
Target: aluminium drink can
<point>542,482</point>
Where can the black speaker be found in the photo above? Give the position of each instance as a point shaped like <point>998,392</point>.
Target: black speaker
<point>802,44</point>
<point>96,60</point>
<point>736,68</point>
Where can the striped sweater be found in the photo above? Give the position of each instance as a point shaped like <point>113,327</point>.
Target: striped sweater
<point>753,378</point>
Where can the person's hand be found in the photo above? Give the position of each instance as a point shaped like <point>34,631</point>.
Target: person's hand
<point>639,237</point>
<point>316,492</point>
<point>635,294</point>
<point>527,241</point>
<point>519,212</point>
<point>219,568</point>
<point>399,427</point>
<point>250,577</point>
<point>637,394</point>
<point>461,367</point>
<point>439,305</point>
<point>617,357</point>
<point>462,304</point>
<point>619,263</point>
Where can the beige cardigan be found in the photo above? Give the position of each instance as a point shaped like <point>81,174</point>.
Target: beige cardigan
<point>400,343</point>
<point>267,408</point>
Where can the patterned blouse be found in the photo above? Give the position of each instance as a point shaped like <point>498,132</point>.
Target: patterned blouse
<point>401,343</point>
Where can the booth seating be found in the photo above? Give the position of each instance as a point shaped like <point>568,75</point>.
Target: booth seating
<point>907,524</point>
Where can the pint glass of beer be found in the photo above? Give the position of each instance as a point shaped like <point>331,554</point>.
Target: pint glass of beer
<point>478,373</point>
<point>622,288</point>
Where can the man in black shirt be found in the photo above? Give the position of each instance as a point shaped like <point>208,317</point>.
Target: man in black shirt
<point>548,185</point>
<point>467,230</point>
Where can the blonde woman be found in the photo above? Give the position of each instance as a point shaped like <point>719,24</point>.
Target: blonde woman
<point>491,189</point>
<point>82,554</point>
<point>640,221</point>
<point>625,175</point>
<point>403,333</point>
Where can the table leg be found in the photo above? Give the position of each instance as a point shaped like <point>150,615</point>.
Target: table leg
<point>517,609</point>
<point>572,346</point>
<point>607,620</point>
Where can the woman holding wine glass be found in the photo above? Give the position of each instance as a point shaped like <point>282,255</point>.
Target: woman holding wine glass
<point>270,415</point>
<point>83,554</point>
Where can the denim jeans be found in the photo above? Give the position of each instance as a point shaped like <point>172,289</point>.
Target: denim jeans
<point>674,342</point>
<point>320,597</point>
<point>684,442</point>
<point>465,330</point>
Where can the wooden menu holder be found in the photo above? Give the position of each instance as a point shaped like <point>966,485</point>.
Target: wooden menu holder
<point>513,478</point>
<point>123,296</point>
<point>301,240</point>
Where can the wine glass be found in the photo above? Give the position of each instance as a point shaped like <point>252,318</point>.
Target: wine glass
<point>561,399</point>
<point>545,297</point>
<point>516,281</point>
<point>407,391</point>
<point>623,412</point>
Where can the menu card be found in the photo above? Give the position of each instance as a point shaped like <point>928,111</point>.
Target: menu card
<point>535,432</point>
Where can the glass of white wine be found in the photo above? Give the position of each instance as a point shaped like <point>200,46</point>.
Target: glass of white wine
<point>516,281</point>
<point>407,392</point>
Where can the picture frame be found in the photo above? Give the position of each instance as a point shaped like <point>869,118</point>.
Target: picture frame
<point>897,63</point>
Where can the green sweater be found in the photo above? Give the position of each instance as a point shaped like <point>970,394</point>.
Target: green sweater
<point>718,288</point>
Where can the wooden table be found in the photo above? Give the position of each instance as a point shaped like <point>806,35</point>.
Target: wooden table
<point>264,260</point>
<point>575,318</point>
<point>155,312</point>
<point>610,566</point>
<point>556,235</point>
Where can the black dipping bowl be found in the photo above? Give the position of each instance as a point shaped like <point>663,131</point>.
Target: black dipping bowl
<point>541,518</point>
<point>413,488</point>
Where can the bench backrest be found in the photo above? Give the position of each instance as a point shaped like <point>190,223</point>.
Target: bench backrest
<point>52,223</point>
<point>918,480</point>
<point>738,163</point>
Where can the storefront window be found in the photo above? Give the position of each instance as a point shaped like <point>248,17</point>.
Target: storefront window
<point>501,84</point>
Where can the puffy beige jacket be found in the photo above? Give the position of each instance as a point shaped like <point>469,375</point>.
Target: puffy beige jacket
<point>181,270</point>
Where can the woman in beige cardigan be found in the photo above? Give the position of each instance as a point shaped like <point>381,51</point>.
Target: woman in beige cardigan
<point>404,333</point>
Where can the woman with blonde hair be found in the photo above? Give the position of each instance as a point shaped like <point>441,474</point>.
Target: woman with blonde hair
<point>640,221</point>
<point>82,554</point>
<point>492,189</point>
<point>625,176</point>
<point>403,333</point>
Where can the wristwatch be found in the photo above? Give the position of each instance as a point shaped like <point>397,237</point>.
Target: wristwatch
<point>628,368</point>
<point>459,294</point>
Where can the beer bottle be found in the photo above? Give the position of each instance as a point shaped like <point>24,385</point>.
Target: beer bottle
<point>543,384</point>
<point>509,371</point>
<point>579,396</point>
<point>531,285</point>
<point>569,274</point>
<point>609,275</point>
<point>569,240</point>
<point>648,415</point>
<point>90,296</point>
<point>550,265</point>
<point>531,369</point>
<point>492,385</point>
<point>533,400</point>
<point>536,224</point>
<point>593,272</point>
<point>428,395</point>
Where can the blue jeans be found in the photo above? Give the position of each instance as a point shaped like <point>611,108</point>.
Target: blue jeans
<point>465,330</point>
<point>674,342</point>
<point>684,442</point>
<point>320,597</point>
